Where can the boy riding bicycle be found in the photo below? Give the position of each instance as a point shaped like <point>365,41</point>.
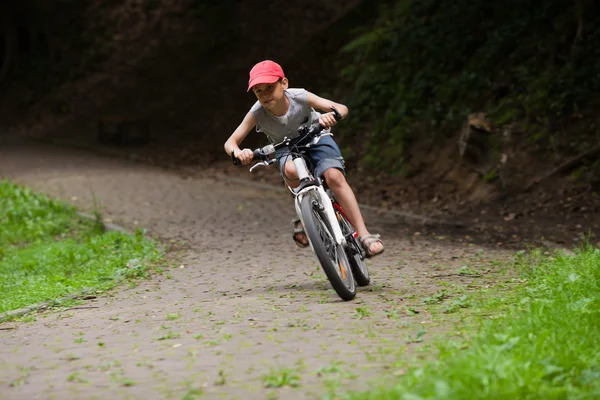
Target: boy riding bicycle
<point>279,112</point>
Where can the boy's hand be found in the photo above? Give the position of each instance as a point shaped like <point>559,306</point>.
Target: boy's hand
<point>327,120</point>
<point>245,156</point>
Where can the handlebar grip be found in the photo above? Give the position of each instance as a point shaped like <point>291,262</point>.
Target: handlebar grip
<point>236,161</point>
<point>258,155</point>
<point>336,113</point>
<point>316,128</point>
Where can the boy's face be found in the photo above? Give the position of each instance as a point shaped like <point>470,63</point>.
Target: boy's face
<point>270,94</point>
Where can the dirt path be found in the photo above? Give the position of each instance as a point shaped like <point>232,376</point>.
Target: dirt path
<point>241,303</point>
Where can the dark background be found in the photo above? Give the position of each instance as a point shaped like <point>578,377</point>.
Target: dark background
<point>454,106</point>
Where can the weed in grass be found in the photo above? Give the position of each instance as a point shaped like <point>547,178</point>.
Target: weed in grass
<point>169,335</point>
<point>172,317</point>
<point>24,318</point>
<point>76,377</point>
<point>363,312</point>
<point>221,379</point>
<point>278,378</point>
<point>146,364</point>
<point>411,310</point>
<point>466,270</point>
<point>438,297</point>
<point>127,382</point>
<point>334,367</point>
<point>22,379</point>
<point>70,357</point>
<point>192,393</point>
<point>371,334</point>
<point>299,323</point>
<point>391,314</point>
<point>417,338</point>
<point>457,304</point>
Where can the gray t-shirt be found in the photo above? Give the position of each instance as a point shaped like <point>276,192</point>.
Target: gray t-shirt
<point>299,113</point>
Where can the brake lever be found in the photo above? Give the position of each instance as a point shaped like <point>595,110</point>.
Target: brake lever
<point>264,163</point>
<point>316,140</point>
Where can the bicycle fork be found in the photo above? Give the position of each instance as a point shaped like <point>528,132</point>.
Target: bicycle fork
<point>327,206</point>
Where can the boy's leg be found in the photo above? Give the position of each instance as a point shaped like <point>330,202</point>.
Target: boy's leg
<point>330,164</point>
<point>345,196</point>
<point>291,177</point>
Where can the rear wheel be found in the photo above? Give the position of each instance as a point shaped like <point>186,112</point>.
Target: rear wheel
<point>353,251</point>
<point>332,256</point>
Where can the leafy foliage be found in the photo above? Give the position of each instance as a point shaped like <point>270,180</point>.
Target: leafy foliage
<point>425,64</point>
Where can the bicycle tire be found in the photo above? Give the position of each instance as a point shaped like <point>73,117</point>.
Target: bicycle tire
<point>353,251</point>
<point>330,255</point>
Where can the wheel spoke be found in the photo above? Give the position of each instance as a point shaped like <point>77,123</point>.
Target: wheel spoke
<point>330,243</point>
<point>354,252</point>
<point>331,255</point>
<point>325,235</point>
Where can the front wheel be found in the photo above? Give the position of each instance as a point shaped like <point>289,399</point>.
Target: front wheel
<point>332,256</point>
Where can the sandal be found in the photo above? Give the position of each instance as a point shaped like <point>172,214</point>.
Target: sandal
<point>297,238</point>
<point>366,241</point>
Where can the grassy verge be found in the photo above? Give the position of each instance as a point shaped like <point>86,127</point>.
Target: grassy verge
<point>47,251</point>
<point>545,346</point>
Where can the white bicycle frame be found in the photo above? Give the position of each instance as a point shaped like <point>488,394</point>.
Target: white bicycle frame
<point>325,201</point>
<point>316,190</point>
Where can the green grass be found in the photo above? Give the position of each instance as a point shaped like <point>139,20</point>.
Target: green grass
<point>47,251</point>
<point>278,378</point>
<point>544,347</point>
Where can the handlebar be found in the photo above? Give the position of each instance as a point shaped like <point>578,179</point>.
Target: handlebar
<point>258,154</point>
<point>306,132</point>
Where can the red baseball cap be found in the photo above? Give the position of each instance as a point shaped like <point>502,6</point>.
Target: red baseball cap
<point>265,72</point>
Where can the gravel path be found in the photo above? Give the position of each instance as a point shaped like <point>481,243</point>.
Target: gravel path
<point>237,302</point>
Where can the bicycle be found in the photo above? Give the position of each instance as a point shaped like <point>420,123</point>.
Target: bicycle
<point>331,235</point>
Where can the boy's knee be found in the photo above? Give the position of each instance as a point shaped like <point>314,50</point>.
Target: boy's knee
<point>334,178</point>
<point>290,171</point>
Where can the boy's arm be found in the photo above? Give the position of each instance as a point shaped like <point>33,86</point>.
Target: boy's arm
<point>240,133</point>
<point>320,103</point>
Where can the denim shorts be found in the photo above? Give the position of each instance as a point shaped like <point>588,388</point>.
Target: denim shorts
<point>326,154</point>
